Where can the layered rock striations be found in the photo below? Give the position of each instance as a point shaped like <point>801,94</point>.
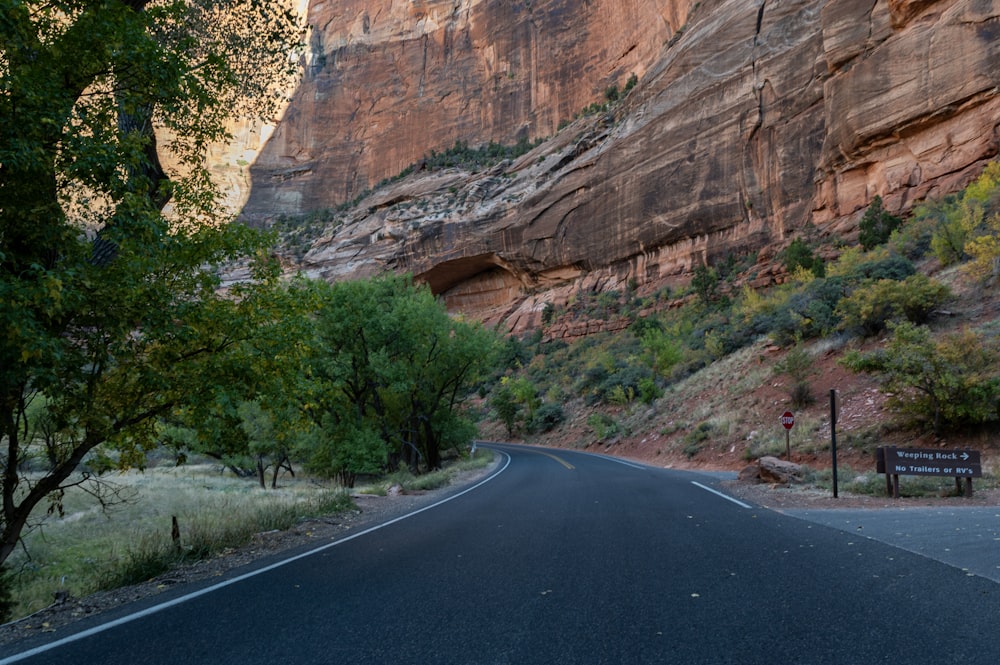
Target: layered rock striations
<point>752,121</point>
<point>386,82</point>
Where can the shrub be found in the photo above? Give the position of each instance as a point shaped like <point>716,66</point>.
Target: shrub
<point>603,425</point>
<point>548,313</point>
<point>807,314</point>
<point>799,255</point>
<point>950,380</point>
<point>621,396</point>
<point>875,304</point>
<point>621,386</point>
<point>891,266</point>
<point>506,407</point>
<point>649,391</point>
<point>632,81</point>
<point>955,224</point>
<point>798,366</point>
<point>661,351</point>
<point>548,417</point>
<point>913,239</point>
<point>877,225</point>
<point>705,283</point>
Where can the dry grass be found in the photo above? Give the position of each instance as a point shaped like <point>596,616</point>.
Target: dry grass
<point>88,548</point>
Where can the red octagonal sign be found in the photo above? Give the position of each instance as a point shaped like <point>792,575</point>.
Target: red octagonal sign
<point>787,419</point>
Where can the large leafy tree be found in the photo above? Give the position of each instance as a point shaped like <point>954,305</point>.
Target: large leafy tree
<point>253,417</point>
<point>110,310</point>
<point>391,372</point>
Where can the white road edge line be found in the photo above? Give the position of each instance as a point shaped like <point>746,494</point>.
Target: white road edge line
<point>704,487</point>
<point>201,592</point>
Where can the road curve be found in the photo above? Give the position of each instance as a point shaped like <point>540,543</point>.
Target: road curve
<point>569,557</point>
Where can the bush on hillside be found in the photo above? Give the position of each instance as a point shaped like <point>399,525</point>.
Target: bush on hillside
<point>877,225</point>
<point>891,266</point>
<point>874,305</point>
<point>949,381</point>
<point>808,313</point>
<point>799,255</point>
<point>548,417</point>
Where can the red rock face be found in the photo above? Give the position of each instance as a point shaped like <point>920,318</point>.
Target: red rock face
<point>754,121</point>
<point>387,82</point>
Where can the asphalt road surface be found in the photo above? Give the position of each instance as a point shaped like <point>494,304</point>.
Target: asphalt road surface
<point>565,557</point>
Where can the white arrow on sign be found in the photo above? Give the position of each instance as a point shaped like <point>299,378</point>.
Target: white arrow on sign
<point>965,455</point>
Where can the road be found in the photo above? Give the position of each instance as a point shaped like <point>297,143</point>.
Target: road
<point>566,557</point>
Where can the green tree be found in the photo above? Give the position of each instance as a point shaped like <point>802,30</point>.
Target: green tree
<point>389,359</point>
<point>799,255</point>
<point>343,450</point>
<point>877,225</point>
<point>505,405</point>
<point>110,313</point>
<point>982,199</point>
<point>662,350</point>
<point>949,381</point>
<point>253,415</point>
<point>705,283</point>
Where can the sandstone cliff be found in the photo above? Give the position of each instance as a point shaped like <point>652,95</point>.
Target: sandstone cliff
<point>752,122</point>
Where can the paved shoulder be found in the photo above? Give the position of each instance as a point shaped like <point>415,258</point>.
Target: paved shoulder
<point>967,538</point>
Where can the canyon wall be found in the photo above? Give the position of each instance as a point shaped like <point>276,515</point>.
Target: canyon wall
<point>752,122</point>
<point>387,82</point>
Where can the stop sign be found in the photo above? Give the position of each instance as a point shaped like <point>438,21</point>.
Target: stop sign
<point>787,419</point>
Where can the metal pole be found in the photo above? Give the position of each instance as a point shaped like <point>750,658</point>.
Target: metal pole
<point>788,447</point>
<point>833,437</point>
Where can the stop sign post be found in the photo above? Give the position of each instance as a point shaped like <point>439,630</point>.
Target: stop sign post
<point>787,420</point>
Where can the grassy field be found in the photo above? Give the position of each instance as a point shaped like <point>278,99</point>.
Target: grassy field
<point>89,548</point>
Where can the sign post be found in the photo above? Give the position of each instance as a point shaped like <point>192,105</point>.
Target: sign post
<point>833,437</point>
<point>787,420</point>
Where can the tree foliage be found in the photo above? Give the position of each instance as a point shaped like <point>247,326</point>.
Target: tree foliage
<point>798,255</point>
<point>110,312</point>
<point>705,283</point>
<point>390,365</point>
<point>982,199</point>
<point>516,401</point>
<point>877,303</point>
<point>798,366</point>
<point>877,225</point>
<point>950,381</point>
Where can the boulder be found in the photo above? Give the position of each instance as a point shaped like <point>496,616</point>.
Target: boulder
<point>775,471</point>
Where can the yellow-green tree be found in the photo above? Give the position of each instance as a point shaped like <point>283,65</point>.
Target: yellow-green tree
<point>983,245</point>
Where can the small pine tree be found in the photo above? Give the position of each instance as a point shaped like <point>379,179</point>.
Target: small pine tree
<point>877,225</point>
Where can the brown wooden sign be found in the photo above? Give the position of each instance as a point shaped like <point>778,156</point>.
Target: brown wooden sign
<point>896,462</point>
<point>930,462</point>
